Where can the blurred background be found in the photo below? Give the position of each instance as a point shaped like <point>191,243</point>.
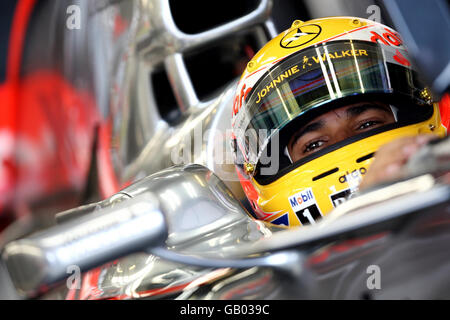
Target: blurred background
<point>86,86</point>
<point>72,124</point>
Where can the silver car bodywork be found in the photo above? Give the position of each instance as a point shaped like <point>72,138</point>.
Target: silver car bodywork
<point>208,246</point>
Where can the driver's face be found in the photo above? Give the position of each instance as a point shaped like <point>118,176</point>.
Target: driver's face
<point>337,125</point>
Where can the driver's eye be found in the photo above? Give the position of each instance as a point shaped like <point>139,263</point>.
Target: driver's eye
<point>313,146</point>
<point>368,124</point>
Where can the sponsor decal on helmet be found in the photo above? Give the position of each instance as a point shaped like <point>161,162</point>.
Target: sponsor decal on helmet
<point>307,62</point>
<point>355,174</point>
<point>273,84</point>
<point>400,58</point>
<point>238,100</point>
<point>305,207</point>
<point>391,38</point>
<point>338,55</point>
<point>300,36</point>
<point>388,38</point>
<point>283,220</point>
<point>340,197</point>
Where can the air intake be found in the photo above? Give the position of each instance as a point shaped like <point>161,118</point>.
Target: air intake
<point>327,173</point>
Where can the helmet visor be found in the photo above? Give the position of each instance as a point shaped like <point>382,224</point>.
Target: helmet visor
<point>317,76</point>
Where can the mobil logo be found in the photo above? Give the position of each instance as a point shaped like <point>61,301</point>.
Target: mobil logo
<point>302,199</point>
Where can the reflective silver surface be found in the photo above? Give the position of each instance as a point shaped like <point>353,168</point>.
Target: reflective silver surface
<point>144,142</point>
<point>203,219</point>
<point>388,229</point>
<point>197,205</point>
<point>206,222</point>
<point>44,258</point>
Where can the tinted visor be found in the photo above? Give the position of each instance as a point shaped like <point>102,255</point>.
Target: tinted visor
<point>315,77</point>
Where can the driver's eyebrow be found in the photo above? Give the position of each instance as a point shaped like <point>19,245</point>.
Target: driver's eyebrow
<point>317,125</point>
<point>357,110</point>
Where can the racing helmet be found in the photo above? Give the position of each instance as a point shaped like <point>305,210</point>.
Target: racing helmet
<point>306,71</point>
